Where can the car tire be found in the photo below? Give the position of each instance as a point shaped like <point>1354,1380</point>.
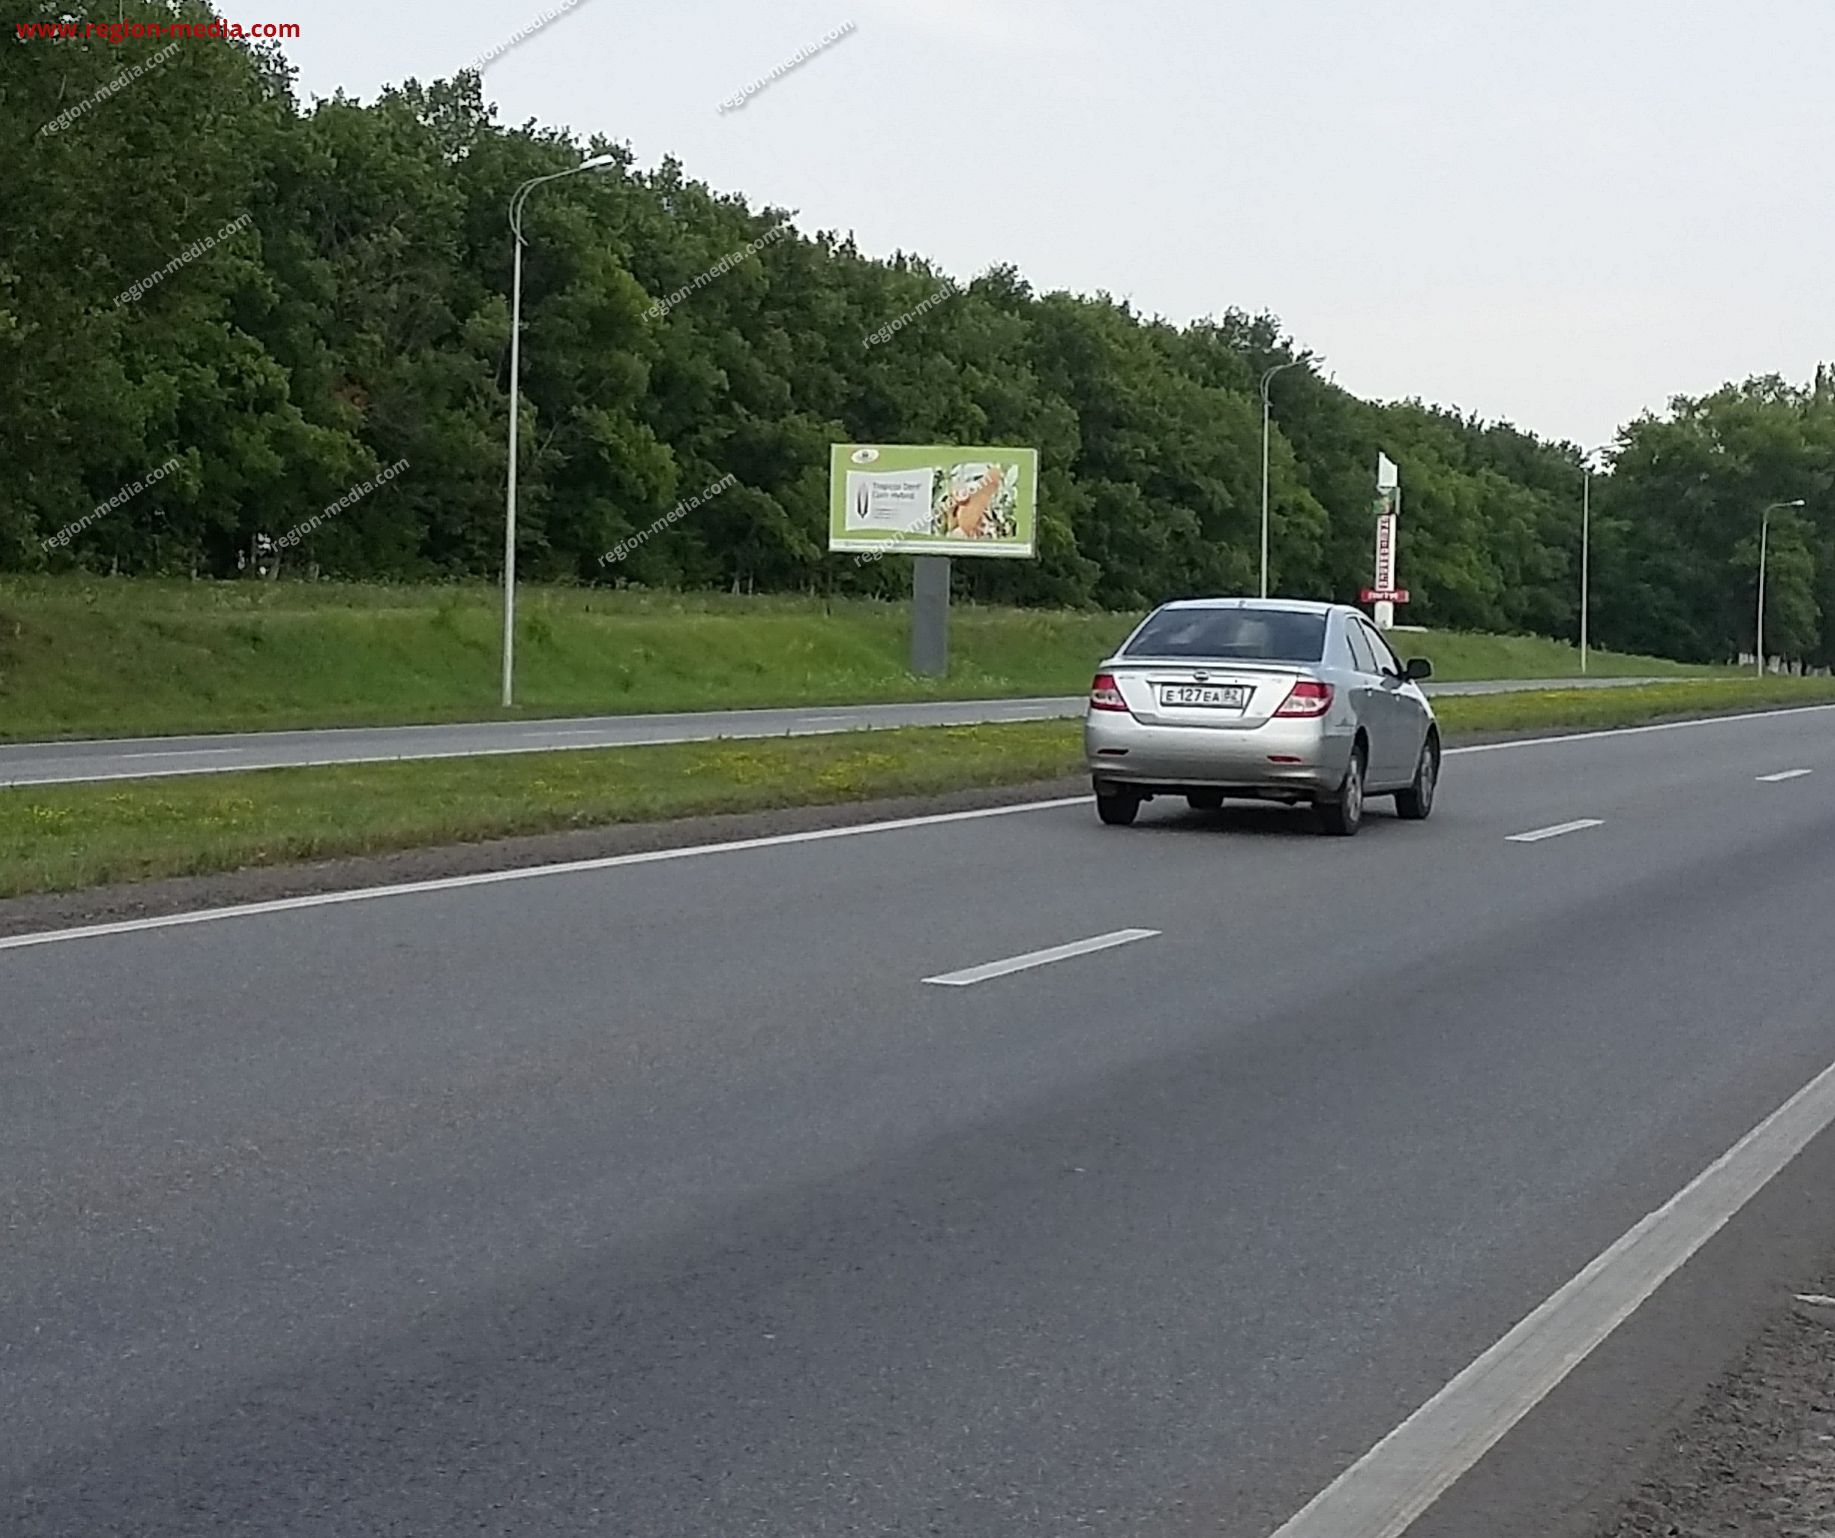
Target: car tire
<point>1204,800</point>
<point>1343,815</point>
<point>1117,805</point>
<point>1417,802</point>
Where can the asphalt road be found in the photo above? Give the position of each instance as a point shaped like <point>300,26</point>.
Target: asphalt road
<point>61,763</point>
<point>668,1198</point>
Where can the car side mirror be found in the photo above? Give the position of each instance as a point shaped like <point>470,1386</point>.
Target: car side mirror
<point>1418,669</point>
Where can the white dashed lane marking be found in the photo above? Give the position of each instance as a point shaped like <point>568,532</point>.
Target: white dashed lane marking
<point>1031,959</point>
<point>1535,836</point>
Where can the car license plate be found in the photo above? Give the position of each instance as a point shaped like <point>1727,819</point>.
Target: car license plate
<point>1216,696</point>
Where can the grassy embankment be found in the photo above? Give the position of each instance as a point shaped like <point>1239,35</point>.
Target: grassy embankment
<point>97,657</point>
<point>65,837</point>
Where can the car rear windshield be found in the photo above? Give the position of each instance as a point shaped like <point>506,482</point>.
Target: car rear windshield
<point>1251,635</point>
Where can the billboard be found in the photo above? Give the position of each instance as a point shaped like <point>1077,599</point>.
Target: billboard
<point>933,499</point>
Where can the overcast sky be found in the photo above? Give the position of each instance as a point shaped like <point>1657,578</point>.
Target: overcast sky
<point>1560,213</point>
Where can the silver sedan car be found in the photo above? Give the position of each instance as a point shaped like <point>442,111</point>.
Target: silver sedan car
<point>1217,697</point>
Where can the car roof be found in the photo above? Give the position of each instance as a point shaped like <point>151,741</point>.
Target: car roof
<point>1289,605</point>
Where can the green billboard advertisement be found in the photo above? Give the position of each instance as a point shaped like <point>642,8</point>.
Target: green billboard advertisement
<point>932,499</point>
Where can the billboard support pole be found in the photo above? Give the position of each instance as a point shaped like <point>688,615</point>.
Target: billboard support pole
<point>930,615</point>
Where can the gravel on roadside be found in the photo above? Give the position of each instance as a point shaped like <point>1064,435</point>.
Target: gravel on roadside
<point>1757,1459</point>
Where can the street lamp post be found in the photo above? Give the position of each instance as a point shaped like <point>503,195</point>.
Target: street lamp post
<point>1586,549</point>
<point>1758,641</point>
<point>1586,554</point>
<point>517,200</point>
<point>1268,379</point>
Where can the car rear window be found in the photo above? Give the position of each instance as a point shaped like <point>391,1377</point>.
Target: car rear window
<point>1252,635</point>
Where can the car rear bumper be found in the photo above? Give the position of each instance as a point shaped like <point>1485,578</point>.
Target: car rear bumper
<point>1292,754</point>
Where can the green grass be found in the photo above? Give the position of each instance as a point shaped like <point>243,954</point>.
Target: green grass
<point>65,837</point>
<point>1627,705</point>
<point>86,656</point>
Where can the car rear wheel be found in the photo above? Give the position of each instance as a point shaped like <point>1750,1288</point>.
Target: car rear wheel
<point>1343,815</point>
<point>1116,804</point>
<point>1417,801</point>
<point>1204,800</point>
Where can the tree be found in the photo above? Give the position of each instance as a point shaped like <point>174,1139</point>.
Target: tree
<point>333,299</point>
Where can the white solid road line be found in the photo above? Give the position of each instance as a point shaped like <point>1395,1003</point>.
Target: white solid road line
<point>1044,958</point>
<point>1536,835</point>
<point>184,752</point>
<point>520,873</point>
<point>166,773</point>
<point>1382,1494</point>
<point>1784,774</point>
<point>546,744</point>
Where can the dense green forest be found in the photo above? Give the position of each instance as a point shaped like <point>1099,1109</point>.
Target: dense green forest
<point>253,310</point>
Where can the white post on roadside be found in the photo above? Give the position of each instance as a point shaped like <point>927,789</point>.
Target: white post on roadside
<point>517,200</point>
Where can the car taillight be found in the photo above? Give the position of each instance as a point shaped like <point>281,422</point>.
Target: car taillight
<point>1105,695</point>
<point>1308,697</point>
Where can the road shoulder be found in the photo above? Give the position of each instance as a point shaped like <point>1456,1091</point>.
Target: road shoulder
<point>1711,1383</point>
<point>1758,1456</point>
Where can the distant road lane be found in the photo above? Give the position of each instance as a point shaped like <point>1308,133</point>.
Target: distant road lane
<point>668,1197</point>
<point>62,763</point>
